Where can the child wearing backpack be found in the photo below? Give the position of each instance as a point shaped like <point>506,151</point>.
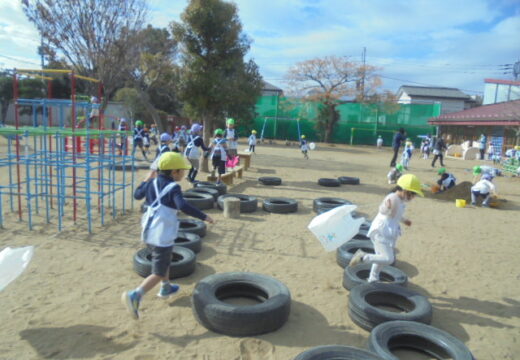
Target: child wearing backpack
<point>219,154</point>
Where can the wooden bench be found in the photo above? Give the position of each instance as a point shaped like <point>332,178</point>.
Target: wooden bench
<point>247,159</point>
<point>227,178</point>
<point>239,171</point>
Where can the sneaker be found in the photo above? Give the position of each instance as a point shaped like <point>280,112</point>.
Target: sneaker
<point>474,203</point>
<point>165,292</point>
<point>131,299</point>
<point>357,258</point>
<point>485,205</point>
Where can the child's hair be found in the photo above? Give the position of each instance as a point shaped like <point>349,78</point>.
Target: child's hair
<point>165,172</point>
<point>396,188</point>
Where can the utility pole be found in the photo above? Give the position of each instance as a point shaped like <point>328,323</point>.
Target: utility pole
<point>516,69</point>
<point>363,60</point>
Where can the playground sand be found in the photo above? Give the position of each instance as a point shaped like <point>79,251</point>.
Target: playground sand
<point>67,303</point>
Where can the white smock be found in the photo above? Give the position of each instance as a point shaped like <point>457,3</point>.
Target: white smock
<point>160,223</point>
<point>446,182</point>
<point>218,146</point>
<point>252,140</point>
<point>386,227</point>
<point>230,137</point>
<point>484,187</point>
<point>192,152</point>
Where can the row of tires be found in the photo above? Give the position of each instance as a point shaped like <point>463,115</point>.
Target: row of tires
<point>342,180</point>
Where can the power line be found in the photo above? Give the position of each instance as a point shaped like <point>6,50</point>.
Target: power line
<point>15,59</point>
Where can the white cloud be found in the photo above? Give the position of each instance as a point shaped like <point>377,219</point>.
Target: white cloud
<point>440,42</point>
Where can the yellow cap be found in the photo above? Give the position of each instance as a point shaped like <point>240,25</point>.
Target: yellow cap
<point>410,182</point>
<point>517,147</point>
<point>303,136</point>
<point>173,161</point>
<point>253,132</point>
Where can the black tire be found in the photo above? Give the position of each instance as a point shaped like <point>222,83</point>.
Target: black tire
<point>328,182</point>
<point>412,335</point>
<point>361,236</point>
<point>234,320</point>
<point>198,200</point>
<point>347,180</point>
<point>206,190</point>
<point>328,203</point>
<point>357,275</point>
<point>222,188</point>
<point>345,252</point>
<point>280,205</point>
<point>128,166</point>
<point>248,203</point>
<point>183,262</point>
<point>337,352</point>
<point>270,180</point>
<point>189,241</point>
<point>193,226</point>
<point>364,301</point>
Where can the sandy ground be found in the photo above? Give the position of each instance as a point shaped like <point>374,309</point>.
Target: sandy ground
<point>67,303</point>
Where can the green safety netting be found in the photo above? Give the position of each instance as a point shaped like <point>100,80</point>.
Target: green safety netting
<point>38,131</point>
<point>279,118</point>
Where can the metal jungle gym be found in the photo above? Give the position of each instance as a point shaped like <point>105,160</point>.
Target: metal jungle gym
<point>56,169</point>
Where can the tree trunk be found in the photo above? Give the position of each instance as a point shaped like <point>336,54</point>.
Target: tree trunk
<point>330,123</point>
<point>5,106</point>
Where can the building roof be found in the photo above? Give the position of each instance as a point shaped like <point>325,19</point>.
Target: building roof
<point>432,92</point>
<point>270,87</point>
<point>501,114</point>
<point>502,82</point>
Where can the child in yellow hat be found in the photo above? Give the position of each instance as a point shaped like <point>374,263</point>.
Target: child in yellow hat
<point>385,228</point>
<point>252,141</point>
<point>160,225</point>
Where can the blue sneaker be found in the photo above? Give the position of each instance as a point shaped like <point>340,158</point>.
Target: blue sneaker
<point>131,299</point>
<point>166,291</point>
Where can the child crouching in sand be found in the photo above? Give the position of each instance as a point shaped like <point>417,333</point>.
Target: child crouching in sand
<point>160,225</point>
<point>385,228</point>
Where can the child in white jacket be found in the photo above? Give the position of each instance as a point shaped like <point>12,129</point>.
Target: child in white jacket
<point>386,229</point>
<point>484,188</point>
<point>252,141</point>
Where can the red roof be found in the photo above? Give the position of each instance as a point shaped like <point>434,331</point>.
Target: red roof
<point>500,81</point>
<point>501,114</point>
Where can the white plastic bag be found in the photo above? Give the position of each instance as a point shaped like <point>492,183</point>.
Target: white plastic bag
<point>13,262</point>
<point>312,146</point>
<point>335,227</point>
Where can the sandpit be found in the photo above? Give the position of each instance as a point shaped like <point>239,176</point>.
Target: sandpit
<point>66,304</point>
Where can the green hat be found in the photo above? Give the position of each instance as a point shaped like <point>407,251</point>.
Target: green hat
<point>139,123</point>
<point>399,167</point>
<point>476,170</point>
<point>441,171</point>
<point>219,132</point>
<point>230,121</point>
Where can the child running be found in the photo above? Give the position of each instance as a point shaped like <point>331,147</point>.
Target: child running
<point>304,147</point>
<point>385,228</point>
<point>483,188</point>
<point>139,134</point>
<point>193,152</point>
<point>394,174</point>
<point>230,134</point>
<point>252,141</point>
<point>447,180</point>
<point>219,154</point>
<point>160,225</point>
<point>407,154</point>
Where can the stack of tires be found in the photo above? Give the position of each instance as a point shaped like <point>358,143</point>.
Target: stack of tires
<point>396,316</point>
<point>187,244</point>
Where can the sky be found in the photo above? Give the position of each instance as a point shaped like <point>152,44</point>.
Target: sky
<point>450,43</point>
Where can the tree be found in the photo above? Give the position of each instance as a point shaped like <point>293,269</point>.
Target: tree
<point>155,74</point>
<point>215,81</point>
<point>130,97</point>
<point>329,80</point>
<point>95,36</point>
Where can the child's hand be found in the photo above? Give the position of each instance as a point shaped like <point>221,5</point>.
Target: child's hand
<point>407,222</point>
<point>210,219</point>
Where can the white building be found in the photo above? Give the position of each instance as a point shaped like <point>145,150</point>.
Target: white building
<point>451,99</point>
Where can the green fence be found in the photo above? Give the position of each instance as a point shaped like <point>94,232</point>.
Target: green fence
<point>279,118</point>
